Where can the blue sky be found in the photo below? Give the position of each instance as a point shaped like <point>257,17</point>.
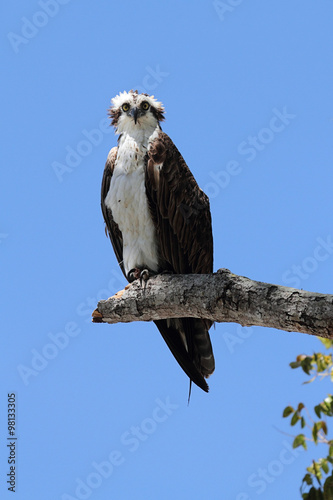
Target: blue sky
<point>102,410</point>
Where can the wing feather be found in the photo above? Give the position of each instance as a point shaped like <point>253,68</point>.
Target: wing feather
<point>111,226</point>
<point>181,214</point>
<point>180,209</point>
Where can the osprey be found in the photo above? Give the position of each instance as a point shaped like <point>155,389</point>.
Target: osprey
<point>158,218</point>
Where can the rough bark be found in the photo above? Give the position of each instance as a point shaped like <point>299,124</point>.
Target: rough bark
<point>220,297</point>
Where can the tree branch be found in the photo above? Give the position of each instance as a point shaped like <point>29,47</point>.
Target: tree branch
<point>221,297</point>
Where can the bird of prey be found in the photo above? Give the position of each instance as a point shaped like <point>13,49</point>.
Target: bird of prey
<point>158,219</point>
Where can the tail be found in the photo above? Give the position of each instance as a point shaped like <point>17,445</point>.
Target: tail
<point>188,340</point>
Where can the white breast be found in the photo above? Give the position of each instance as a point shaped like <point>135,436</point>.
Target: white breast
<point>128,202</point>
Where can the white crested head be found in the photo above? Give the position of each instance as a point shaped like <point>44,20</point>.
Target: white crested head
<point>131,111</point>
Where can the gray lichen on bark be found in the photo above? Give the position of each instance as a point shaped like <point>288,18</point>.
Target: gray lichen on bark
<point>221,297</point>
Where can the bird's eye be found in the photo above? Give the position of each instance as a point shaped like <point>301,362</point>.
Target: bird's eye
<point>125,107</point>
<point>145,106</point>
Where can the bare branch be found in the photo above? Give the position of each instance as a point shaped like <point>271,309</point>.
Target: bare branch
<point>221,297</point>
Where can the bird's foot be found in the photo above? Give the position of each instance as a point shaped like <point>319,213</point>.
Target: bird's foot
<point>142,274</point>
<point>133,274</point>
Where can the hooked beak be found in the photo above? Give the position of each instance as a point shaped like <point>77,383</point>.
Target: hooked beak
<point>134,113</point>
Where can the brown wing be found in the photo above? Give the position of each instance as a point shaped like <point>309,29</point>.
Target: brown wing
<point>112,228</point>
<point>180,210</point>
<point>181,214</point>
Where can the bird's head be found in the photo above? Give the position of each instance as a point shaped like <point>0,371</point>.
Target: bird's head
<point>131,111</point>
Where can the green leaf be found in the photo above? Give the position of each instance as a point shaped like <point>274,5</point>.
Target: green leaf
<point>328,359</point>
<point>327,342</point>
<point>299,441</point>
<point>322,362</point>
<point>324,465</point>
<point>287,411</point>
<point>317,471</point>
<point>315,431</point>
<point>306,365</point>
<point>330,450</point>
<point>318,410</point>
<point>327,406</point>
<point>318,365</point>
<point>307,479</point>
<point>311,469</point>
<point>328,488</point>
<point>324,427</point>
<point>295,418</point>
<point>314,494</point>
